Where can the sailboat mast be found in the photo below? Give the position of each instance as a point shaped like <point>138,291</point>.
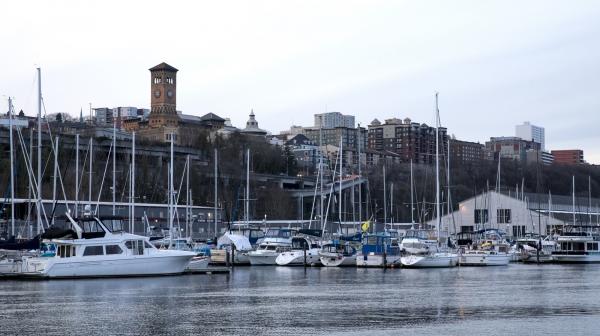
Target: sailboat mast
<point>55,175</point>
<point>391,205</point>
<point>247,208</point>
<point>574,219</point>
<point>448,199</point>
<point>76,174</point>
<point>590,199</point>
<point>321,170</point>
<point>341,165</point>
<point>171,168</point>
<point>360,178</point>
<point>12,169</point>
<point>437,166</point>
<point>114,168</point>
<point>187,197</point>
<point>384,199</point>
<point>90,172</point>
<point>132,182</point>
<point>216,191</point>
<point>412,196</point>
<point>39,154</point>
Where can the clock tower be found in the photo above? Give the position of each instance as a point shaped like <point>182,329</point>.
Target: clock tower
<point>163,95</point>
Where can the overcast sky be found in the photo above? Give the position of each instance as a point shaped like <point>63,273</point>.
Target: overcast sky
<point>495,63</point>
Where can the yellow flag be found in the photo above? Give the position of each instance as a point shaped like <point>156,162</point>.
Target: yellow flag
<point>365,225</point>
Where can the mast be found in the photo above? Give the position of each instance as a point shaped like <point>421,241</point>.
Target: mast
<point>574,219</point>
<point>321,169</point>
<point>590,199</point>
<point>54,176</point>
<point>12,168</point>
<point>76,174</point>
<point>132,182</point>
<point>360,179</point>
<point>341,165</point>
<point>216,190</point>
<point>384,199</point>
<point>448,199</point>
<point>437,167</point>
<point>247,208</point>
<point>171,194</point>
<point>30,189</point>
<point>114,168</point>
<point>39,154</point>
<point>391,205</point>
<point>412,202</point>
<point>90,172</point>
<point>187,197</point>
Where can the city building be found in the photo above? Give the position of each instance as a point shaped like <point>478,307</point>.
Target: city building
<point>164,121</point>
<point>333,119</point>
<point>351,137</point>
<point>568,156</point>
<point>465,152</point>
<point>513,148</point>
<point>529,132</point>
<point>252,127</point>
<point>412,141</point>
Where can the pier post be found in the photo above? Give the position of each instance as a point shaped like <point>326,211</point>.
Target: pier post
<point>304,249</point>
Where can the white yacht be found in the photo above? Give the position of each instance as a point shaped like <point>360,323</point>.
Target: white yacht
<point>274,242</point>
<point>578,246</point>
<point>338,254</point>
<point>303,244</point>
<point>96,251</point>
<point>241,242</point>
<point>492,250</point>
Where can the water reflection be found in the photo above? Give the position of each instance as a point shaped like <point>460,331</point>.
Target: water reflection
<point>298,300</point>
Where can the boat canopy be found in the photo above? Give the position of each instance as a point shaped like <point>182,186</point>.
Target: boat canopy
<point>240,242</point>
<point>311,232</point>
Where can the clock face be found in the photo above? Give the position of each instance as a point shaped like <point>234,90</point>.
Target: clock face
<point>170,93</point>
<point>157,93</point>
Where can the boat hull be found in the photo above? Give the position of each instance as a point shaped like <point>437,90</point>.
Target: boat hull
<point>146,265</point>
<point>198,263</point>
<point>437,260</point>
<point>377,260</point>
<point>576,259</point>
<point>296,258</point>
<point>484,259</point>
<point>337,260</point>
<point>262,259</point>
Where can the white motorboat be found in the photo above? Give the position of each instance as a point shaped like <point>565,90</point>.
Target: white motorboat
<point>417,241</point>
<point>304,251</point>
<point>238,243</point>
<point>198,262</point>
<point>493,250</point>
<point>578,246</point>
<point>96,251</point>
<point>275,242</point>
<point>336,254</point>
<point>430,260</point>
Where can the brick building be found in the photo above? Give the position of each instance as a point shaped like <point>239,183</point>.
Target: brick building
<point>568,156</point>
<point>465,152</point>
<point>412,141</point>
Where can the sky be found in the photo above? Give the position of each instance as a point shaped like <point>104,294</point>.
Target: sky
<point>495,64</point>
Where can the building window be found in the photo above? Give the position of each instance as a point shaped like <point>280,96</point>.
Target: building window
<point>93,250</point>
<point>503,216</point>
<point>169,80</point>
<point>157,80</point>
<point>481,216</point>
<point>518,230</point>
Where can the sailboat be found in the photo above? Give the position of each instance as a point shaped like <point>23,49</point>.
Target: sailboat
<point>433,256</point>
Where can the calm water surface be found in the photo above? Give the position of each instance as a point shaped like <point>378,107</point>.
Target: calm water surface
<point>518,300</point>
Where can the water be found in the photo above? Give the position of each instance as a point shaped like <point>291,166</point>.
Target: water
<point>518,299</point>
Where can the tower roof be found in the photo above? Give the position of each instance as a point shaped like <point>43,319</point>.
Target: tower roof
<point>163,66</point>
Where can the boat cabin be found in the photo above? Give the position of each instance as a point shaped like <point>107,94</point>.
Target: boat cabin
<point>377,243</point>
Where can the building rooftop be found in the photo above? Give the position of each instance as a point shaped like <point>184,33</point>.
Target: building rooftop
<point>163,66</point>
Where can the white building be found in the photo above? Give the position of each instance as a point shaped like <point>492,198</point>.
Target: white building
<point>517,215</point>
<point>333,120</point>
<point>529,132</point>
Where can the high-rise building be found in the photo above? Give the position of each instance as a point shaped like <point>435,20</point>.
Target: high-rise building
<point>411,140</point>
<point>568,156</point>
<point>333,120</point>
<point>529,132</point>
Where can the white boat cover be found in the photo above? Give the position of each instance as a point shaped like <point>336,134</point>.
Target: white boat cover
<point>240,242</point>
